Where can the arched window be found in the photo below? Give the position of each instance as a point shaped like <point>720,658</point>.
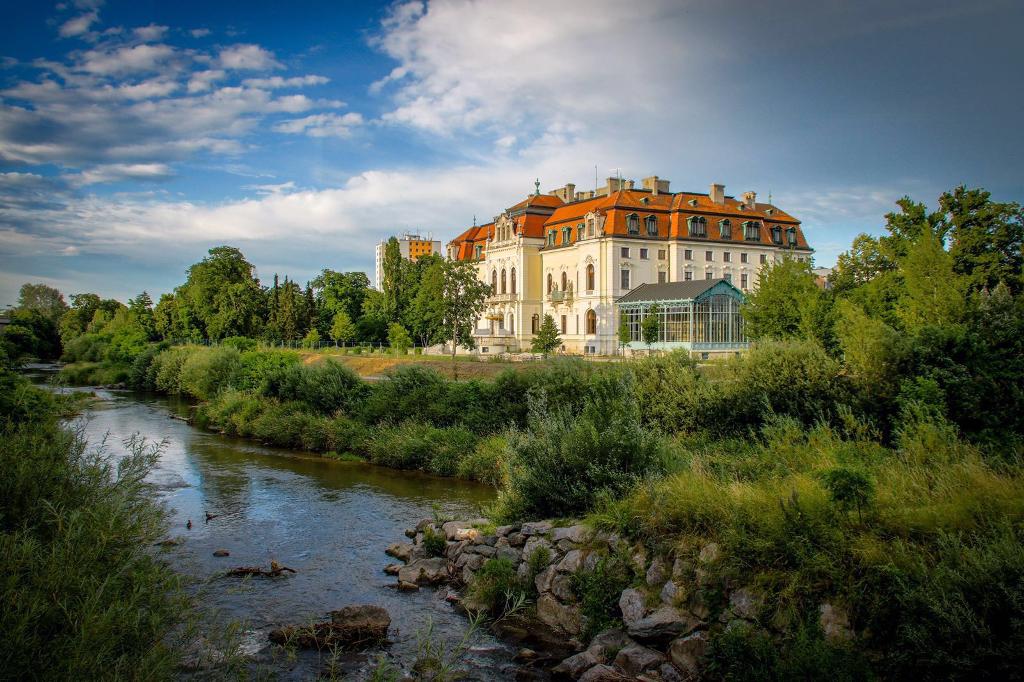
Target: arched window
<point>633,223</point>
<point>590,277</point>
<point>503,282</point>
<point>535,323</point>
<point>494,282</point>
<point>513,282</point>
<point>549,282</point>
<point>652,226</point>
<point>591,322</point>
<point>565,281</point>
<point>725,229</point>
<point>698,226</point>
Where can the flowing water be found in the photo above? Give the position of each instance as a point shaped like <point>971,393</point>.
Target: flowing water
<point>328,520</point>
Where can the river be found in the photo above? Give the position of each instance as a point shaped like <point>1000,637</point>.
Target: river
<point>328,520</point>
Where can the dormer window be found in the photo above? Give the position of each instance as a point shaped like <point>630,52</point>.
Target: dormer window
<point>645,200</point>
<point>590,227</point>
<point>579,232</point>
<point>652,226</point>
<point>725,229</point>
<point>692,202</point>
<point>776,234</point>
<point>633,223</point>
<point>698,226</point>
<point>791,236</point>
<point>551,238</point>
<point>478,251</point>
<point>566,235</point>
<point>752,231</point>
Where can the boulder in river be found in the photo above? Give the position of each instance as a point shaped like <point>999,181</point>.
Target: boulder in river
<point>221,553</point>
<point>352,627</point>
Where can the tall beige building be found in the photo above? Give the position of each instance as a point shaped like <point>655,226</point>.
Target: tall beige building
<point>573,255</point>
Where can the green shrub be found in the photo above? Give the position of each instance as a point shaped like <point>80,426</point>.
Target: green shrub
<point>326,387</point>
<point>239,343</point>
<point>207,371</point>
<point>412,445</point>
<point>497,588</point>
<point>257,365</point>
<point>487,462</point>
<point>434,542</point>
<point>166,369</point>
<point>598,592</point>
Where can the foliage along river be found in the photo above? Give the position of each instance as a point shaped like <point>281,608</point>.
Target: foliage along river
<point>328,520</point>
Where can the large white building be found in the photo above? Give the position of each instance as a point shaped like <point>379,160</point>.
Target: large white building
<point>412,246</point>
<point>573,255</point>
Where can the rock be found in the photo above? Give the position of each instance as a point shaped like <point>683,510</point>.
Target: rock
<point>602,673</point>
<point>543,580</point>
<point>516,539</point>
<point>424,524</point>
<point>407,587</point>
<point>638,555</point>
<point>424,572</point>
<point>635,659</point>
<point>451,527</point>
<point>590,561</point>
<point>565,546</point>
<point>669,592</point>
<point>608,642</point>
<point>745,604</point>
<point>835,623</point>
<point>663,624</point>
<point>687,652</point>
<point>680,569</point>
<point>454,549</point>
<point>632,603</point>
<point>483,550</point>
<point>221,553</point>
<point>577,534</point>
<point>657,572</point>
<point>351,627</point>
<point>571,562</point>
<point>510,553</point>
<point>400,550</point>
<point>535,543</point>
<point>503,531</point>
<point>561,587</point>
<point>668,673</point>
<point>525,654</point>
<point>472,561</point>
<point>536,528</point>
<point>710,553</point>
<point>559,616</point>
<point>471,534</point>
<point>410,532</point>
<point>577,664</point>
<point>392,569</point>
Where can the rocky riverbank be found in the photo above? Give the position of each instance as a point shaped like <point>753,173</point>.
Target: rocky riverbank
<point>660,623</point>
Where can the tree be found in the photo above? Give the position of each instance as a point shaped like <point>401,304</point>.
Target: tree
<point>222,295</point>
<point>141,308</point>
<point>650,326</point>
<point>546,339</point>
<point>373,323</point>
<point>341,292</point>
<point>398,338</point>
<point>311,339</point>
<point>935,295</point>
<point>788,304</point>
<point>625,334</point>
<point>342,328</point>
<point>391,281</point>
<point>985,238</point>
<point>463,298</point>
<point>425,316</point>
<point>45,300</point>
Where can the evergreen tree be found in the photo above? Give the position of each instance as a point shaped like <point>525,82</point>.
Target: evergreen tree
<point>391,282</point>
<point>546,339</point>
<point>985,238</point>
<point>935,295</point>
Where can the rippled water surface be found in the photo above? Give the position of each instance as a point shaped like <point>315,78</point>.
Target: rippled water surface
<point>328,520</point>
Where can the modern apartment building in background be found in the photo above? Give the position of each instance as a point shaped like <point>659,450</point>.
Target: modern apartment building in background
<point>574,255</point>
<point>412,247</point>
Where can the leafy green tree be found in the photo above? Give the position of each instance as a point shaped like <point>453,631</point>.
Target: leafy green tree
<point>373,323</point>
<point>343,329</point>
<point>650,326</point>
<point>546,339</point>
<point>31,333</point>
<point>223,296</point>
<point>935,295</point>
<point>625,335</point>
<point>46,300</point>
<point>788,304</point>
<point>398,338</point>
<point>391,281</point>
<point>341,292</point>
<point>141,308</point>
<point>464,298</point>
<point>311,339</point>
<point>985,238</point>
<point>425,315</point>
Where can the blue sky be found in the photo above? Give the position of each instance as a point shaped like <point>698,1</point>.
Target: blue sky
<point>135,136</point>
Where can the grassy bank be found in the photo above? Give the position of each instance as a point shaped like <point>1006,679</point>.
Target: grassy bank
<point>83,595</point>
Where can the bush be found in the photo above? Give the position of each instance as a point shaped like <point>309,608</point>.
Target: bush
<point>598,592</point>
<point>496,587</point>
<point>326,387</point>
<point>487,462</point>
<point>434,542</point>
<point>207,371</point>
<point>166,369</point>
<point>412,445</point>
<point>239,343</point>
<point>565,461</point>
<point>258,365</point>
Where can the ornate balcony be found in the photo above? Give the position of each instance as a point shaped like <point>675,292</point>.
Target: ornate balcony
<point>502,298</point>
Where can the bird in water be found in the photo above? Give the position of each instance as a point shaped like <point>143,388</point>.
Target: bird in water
<point>210,516</point>
<point>189,524</point>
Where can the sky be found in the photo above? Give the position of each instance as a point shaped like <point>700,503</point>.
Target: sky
<point>135,136</point>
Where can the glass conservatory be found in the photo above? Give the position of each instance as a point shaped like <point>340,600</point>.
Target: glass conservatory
<point>700,316</point>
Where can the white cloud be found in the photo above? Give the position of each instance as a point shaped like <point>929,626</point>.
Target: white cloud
<point>202,81</point>
<point>150,33</point>
<point>248,57</point>
<point>79,25</point>
<point>322,125</point>
<point>126,60</point>
<point>122,171</point>
<point>275,82</point>
<point>200,32</point>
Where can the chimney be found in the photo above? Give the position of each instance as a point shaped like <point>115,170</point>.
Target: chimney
<point>570,192</point>
<point>749,200</point>
<point>630,184</point>
<point>651,183</point>
<point>717,194</point>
